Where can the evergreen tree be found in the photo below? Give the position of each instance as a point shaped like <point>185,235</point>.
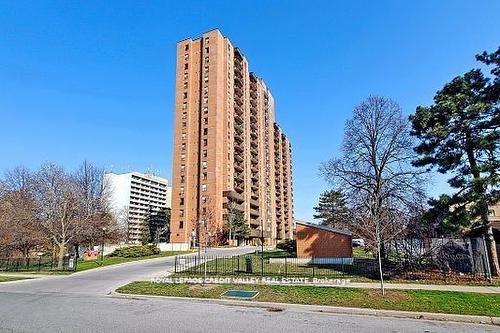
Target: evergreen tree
<point>459,135</point>
<point>331,209</point>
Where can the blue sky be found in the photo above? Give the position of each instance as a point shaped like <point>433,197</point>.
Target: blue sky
<point>95,80</point>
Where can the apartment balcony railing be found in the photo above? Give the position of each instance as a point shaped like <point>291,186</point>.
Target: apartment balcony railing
<point>254,135</point>
<point>238,81</point>
<point>253,102</point>
<point>238,167</point>
<point>238,138</point>
<point>234,196</point>
<point>239,177</point>
<point>254,212</point>
<point>255,176</point>
<point>238,157</point>
<point>254,203</point>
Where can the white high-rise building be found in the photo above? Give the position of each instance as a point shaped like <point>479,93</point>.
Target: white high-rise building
<point>133,196</point>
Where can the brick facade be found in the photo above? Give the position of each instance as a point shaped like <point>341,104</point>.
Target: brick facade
<point>322,242</point>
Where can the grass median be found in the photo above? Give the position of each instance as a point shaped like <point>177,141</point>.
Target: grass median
<point>11,278</point>
<point>84,265</point>
<point>402,300</point>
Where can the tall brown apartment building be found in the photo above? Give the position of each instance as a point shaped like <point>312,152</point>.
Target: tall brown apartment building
<point>229,153</point>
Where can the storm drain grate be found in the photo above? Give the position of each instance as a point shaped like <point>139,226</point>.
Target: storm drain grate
<point>240,294</point>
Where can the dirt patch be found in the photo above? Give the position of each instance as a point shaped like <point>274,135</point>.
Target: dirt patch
<point>202,287</point>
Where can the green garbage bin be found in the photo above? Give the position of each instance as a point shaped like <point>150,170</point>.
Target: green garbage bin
<point>248,264</point>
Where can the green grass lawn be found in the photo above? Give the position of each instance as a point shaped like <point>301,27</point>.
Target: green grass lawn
<point>84,265</point>
<point>404,300</point>
<point>11,278</point>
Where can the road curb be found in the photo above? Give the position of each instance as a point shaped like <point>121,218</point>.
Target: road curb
<point>277,307</point>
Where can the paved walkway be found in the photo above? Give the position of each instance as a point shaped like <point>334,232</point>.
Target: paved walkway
<point>417,286</point>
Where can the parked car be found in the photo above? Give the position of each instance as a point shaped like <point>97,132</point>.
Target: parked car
<point>358,242</point>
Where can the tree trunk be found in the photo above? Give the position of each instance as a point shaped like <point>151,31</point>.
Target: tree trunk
<point>492,249</point>
<point>60,257</point>
<point>380,268</point>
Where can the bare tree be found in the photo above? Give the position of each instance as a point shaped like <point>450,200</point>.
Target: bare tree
<point>98,225</point>
<point>375,173</point>
<point>20,230</point>
<point>60,207</point>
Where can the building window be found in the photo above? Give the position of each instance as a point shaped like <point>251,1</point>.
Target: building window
<point>207,40</point>
<point>184,95</point>
<point>207,49</point>
<point>205,100</point>
<point>185,85</point>
<point>186,56</point>
<point>204,199</point>
<point>183,167</point>
<point>203,187</point>
<point>204,163</point>
<point>205,90</point>
<point>183,157</point>
<point>205,142</point>
<point>205,153</point>
<point>181,202</point>
<point>181,190</point>
<point>185,66</point>
<point>184,105</point>
<point>185,76</point>
<point>184,124</point>
<point>205,176</point>
<point>184,115</point>
<point>206,59</point>
<point>181,212</point>
<point>182,179</point>
<point>205,131</point>
<point>205,120</point>
<point>183,136</point>
<point>205,79</point>
<point>205,109</point>
<point>183,146</point>
<point>205,69</point>
<point>186,47</point>
<point>181,224</point>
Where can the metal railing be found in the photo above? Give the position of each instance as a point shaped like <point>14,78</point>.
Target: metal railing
<point>36,264</point>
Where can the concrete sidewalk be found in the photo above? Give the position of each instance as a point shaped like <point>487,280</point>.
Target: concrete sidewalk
<point>416,286</point>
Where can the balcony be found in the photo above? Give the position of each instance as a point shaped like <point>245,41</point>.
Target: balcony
<point>255,176</point>
<point>257,233</point>
<point>254,212</point>
<point>238,157</point>
<point>238,167</point>
<point>255,222</point>
<point>234,195</point>
<point>238,81</point>
<point>254,203</point>
<point>254,135</point>
<point>253,102</point>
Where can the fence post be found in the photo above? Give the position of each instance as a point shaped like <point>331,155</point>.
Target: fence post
<point>343,271</point>
<point>238,265</point>
<point>175,264</point>
<point>216,266</point>
<point>286,267</point>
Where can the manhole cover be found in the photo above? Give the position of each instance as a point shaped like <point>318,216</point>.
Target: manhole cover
<point>243,294</point>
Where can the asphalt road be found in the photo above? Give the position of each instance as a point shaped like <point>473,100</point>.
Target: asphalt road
<point>80,303</point>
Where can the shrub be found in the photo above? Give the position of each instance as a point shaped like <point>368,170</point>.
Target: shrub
<point>289,245</point>
<point>135,251</point>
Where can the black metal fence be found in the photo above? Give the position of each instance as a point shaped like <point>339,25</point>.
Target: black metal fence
<point>36,264</point>
<point>460,259</point>
<point>256,265</point>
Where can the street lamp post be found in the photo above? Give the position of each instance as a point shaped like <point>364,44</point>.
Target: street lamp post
<point>102,245</point>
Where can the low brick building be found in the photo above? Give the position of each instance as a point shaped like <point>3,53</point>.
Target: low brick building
<point>317,241</point>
